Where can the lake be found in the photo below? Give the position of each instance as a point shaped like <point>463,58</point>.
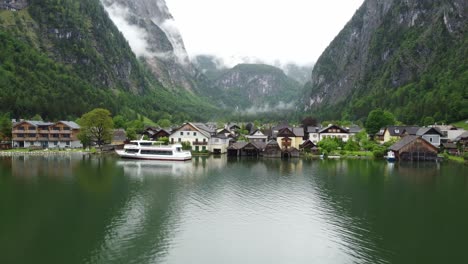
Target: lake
<point>77,209</point>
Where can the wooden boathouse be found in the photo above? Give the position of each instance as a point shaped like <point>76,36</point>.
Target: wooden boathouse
<point>414,148</point>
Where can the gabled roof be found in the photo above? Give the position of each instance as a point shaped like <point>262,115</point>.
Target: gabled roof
<point>398,131</point>
<point>298,131</point>
<point>34,123</point>
<point>313,129</point>
<point>272,143</point>
<point>205,128</point>
<point>119,135</point>
<point>354,129</point>
<point>324,130</point>
<point>449,145</point>
<point>71,124</point>
<point>428,131</point>
<point>205,131</point>
<point>462,136</point>
<point>407,140</point>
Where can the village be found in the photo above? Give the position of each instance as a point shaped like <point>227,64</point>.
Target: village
<point>275,141</point>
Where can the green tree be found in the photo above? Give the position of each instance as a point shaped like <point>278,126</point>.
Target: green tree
<point>164,123</point>
<point>328,144</point>
<point>377,119</point>
<point>5,127</point>
<point>137,125</point>
<point>131,133</point>
<point>36,117</point>
<point>351,145</point>
<point>164,140</point>
<point>119,121</point>
<point>97,126</point>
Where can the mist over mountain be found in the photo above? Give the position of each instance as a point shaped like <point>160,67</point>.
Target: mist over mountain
<point>153,36</point>
<point>212,66</point>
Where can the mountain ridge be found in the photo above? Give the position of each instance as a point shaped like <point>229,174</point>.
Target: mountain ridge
<point>405,56</point>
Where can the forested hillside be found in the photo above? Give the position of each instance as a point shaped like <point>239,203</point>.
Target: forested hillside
<point>61,58</point>
<point>409,57</point>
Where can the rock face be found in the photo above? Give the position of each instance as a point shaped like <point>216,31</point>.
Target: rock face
<point>13,5</point>
<point>150,29</point>
<point>256,85</point>
<point>387,45</point>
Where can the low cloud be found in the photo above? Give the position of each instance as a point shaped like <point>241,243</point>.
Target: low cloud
<point>281,106</point>
<point>136,36</point>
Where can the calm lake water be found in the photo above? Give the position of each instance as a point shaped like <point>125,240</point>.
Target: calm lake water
<point>220,210</point>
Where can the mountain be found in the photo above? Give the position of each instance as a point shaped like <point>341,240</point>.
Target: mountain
<point>61,58</point>
<point>254,85</point>
<point>406,56</point>
<point>151,32</point>
<point>300,73</point>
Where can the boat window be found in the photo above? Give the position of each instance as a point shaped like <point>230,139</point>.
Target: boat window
<point>146,143</point>
<point>178,149</point>
<point>131,151</point>
<point>156,152</point>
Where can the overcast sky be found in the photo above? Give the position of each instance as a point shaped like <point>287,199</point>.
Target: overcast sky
<point>284,30</point>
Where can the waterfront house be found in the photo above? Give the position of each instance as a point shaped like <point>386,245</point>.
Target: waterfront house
<point>431,135</point>
<point>334,131</point>
<point>161,133</point>
<point>450,148</point>
<point>309,147</point>
<point>200,137</point>
<point>314,133</point>
<point>288,137</point>
<point>246,149</point>
<point>119,137</point>
<point>395,133</point>
<point>272,150</point>
<point>61,134</point>
<point>414,148</point>
<point>462,141</point>
<point>257,136</point>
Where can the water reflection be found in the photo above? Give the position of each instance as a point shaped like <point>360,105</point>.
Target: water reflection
<point>224,210</point>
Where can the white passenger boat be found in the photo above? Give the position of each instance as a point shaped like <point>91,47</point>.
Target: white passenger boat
<point>151,150</point>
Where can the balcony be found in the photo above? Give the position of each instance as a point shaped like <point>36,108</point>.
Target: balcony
<point>200,143</point>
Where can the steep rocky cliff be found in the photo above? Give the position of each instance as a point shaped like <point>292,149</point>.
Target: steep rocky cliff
<point>61,58</point>
<point>407,56</point>
<point>150,29</point>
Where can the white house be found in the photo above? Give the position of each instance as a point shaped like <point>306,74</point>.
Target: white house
<point>200,137</point>
<point>257,136</point>
<point>331,131</point>
<point>431,135</point>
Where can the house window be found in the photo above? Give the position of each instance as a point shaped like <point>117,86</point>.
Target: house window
<point>180,140</point>
<point>430,140</point>
<point>55,143</point>
<point>204,140</point>
<point>194,133</point>
<point>203,148</point>
<point>66,128</point>
<point>181,133</point>
<point>67,143</point>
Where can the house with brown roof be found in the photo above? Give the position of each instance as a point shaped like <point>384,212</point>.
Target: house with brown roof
<point>414,148</point>
<point>61,134</point>
<point>290,137</point>
<point>395,133</point>
<point>246,149</point>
